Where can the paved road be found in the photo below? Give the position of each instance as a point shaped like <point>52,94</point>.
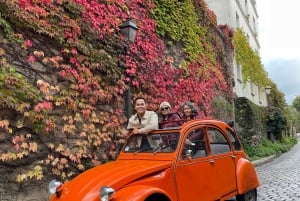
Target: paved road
<point>280,178</point>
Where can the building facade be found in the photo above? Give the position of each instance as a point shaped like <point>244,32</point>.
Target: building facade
<point>241,14</point>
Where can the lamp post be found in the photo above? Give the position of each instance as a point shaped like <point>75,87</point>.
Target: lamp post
<point>128,29</point>
<point>269,132</point>
<point>268,92</point>
<point>234,96</point>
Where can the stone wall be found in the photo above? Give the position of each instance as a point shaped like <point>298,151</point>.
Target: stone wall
<point>17,56</point>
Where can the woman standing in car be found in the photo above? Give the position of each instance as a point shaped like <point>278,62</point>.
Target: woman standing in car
<point>167,118</point>
<point>189,112</point>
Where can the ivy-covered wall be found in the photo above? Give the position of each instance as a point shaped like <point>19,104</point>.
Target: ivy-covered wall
<point>64,73</point>
<point>250,121</point>
<point>252,67</point>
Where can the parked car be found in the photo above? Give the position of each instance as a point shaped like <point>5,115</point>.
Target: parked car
<point>201,160</point>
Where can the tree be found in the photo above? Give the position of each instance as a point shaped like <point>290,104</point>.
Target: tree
<point>296,103</point>
<point>277,122</point>
<point>294,117</point>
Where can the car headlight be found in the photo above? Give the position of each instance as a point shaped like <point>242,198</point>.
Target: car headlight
<point>53,185</point>
<point>106,193</point>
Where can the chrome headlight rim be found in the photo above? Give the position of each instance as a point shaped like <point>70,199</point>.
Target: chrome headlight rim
<point>53,185</point>
<point>106,193</point>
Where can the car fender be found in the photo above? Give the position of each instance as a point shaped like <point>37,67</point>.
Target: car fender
<point>138,193</point>
<point>247,178</point>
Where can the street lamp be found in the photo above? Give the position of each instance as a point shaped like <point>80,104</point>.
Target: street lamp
<point>128,29</point>
<point>268,92</point>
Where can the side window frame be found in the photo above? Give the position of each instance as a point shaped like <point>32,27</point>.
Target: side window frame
<point>218,142</point>
<point>198,147</point>
<point>234,140</point>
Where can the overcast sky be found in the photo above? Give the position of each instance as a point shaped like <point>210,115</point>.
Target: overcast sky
<point>279,36</point>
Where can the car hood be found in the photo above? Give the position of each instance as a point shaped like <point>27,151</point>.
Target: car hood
<point>114,174</point>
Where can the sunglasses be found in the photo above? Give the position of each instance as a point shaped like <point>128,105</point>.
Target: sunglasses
<point>164,108</point>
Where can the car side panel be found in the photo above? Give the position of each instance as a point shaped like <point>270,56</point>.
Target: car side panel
<point>223,159</point>
<point>138,193</point>
<point>196,180</point>
<point>247,178</point>
<point>224,165</point>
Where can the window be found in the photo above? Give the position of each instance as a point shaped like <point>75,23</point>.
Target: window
<point>237,20</point>
<point>236,144</point>
<point>165,142</point>
<point>254,27</point>
<point>195,144</point>
<point>246,7</point>
<point>238,72</point>
<point>217,141</point>
<point>252,89</point>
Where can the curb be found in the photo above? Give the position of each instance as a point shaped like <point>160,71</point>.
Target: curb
<point>263,160</point>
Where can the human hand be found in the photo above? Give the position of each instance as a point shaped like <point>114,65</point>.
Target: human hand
<point>188,142</point>
<point>135,131</point>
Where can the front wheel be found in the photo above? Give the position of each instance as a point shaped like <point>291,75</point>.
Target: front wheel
<point>249,196</point>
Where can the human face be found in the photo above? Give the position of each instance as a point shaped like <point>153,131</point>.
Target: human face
<point>164,110</point>
<point>187,111</point>
<point>140,107</point>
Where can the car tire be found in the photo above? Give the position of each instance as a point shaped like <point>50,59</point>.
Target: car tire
<point>249,196</point>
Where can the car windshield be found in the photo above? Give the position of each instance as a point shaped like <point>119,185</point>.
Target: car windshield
<point>150,143</point>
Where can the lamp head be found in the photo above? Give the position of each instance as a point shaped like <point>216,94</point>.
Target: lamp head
<point>129,29</point>
<point>268,90</point>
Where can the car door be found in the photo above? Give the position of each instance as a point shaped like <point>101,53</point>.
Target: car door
<point>195,176</point>
<point>222,159</point>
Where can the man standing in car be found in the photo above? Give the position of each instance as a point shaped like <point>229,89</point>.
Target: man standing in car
<point>144,121</point>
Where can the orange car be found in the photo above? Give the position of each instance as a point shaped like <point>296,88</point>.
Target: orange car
<point>201,160</point>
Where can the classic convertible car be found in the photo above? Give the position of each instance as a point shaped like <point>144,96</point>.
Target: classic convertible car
<point>201,160</point>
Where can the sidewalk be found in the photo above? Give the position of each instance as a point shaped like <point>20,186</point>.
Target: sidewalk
<point>269,158</point>
<point>263,160</point>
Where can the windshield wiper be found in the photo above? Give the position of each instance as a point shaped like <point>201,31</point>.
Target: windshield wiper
<point>144,149</point>
<point>159,148</point>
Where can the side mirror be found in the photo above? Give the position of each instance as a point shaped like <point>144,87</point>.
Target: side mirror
<point>230,123</point>
<point>188,153</point>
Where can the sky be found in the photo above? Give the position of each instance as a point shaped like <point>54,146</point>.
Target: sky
<point>279,37</point>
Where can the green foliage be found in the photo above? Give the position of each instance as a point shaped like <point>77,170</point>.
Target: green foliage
<point>276,122</point>
<point>267,148</point>
<point>6,31</point>
<point>251,119</point>
<point>78,116</point>
<point>15,91</point>
<point>252,67</point>
<point>296,103</point>
<point>178,21</point>
<point>294,118</point>
<point>222,109</point>
<point>276,98</point>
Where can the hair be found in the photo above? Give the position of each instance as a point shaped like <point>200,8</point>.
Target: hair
<point>164,103</point>
<point>139,98</point>
<point>190,105</point>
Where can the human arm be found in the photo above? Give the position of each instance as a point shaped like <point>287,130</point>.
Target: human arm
<point>172,120</point>
<point>149,124</point>
<point>195,136</point>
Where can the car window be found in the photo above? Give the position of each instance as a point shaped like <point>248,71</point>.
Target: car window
<point>236,144</point>
<point>217,141</point>
<point>166,142</point>
<point>194,144</point>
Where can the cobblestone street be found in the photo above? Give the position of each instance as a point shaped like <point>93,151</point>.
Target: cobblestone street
<point>280,178</point>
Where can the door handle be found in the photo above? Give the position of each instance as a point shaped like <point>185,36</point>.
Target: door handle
<point>233,156</point>
<point>212,161</point>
